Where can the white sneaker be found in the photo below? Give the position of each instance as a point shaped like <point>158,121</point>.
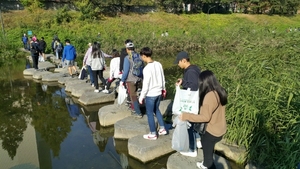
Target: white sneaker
<point>162,132</point>
<point>200,165</point>
<point>150,136</point>
<point>105,91</point>
<point>190,154</point>
<point>199,145</point>
<point>96,91</point>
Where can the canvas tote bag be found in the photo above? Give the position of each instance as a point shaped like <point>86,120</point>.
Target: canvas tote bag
<point>185,101</point>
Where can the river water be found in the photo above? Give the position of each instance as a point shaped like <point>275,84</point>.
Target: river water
<point>43,127</point>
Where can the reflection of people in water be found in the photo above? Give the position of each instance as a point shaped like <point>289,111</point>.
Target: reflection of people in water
<point>44,87</point>
<point>72,108</point>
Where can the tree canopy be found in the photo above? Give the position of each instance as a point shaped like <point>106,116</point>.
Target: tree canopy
<point>93,9</point>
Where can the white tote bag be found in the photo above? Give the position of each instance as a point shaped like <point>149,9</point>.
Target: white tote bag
<point>185,101</point>
<point>121,94</point>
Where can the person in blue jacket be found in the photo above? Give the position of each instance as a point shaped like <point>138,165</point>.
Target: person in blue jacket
<point>25,41</point>
<point>69,54</point>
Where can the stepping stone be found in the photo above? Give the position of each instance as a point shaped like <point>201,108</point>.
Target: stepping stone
<point>130,127</point>
<point>110,114</point>
<point>232,152</point>
<point>39,75</point>
<point>52,77</point>
<point>80,88</point>
<point>90,98</point>
<point>147,150</point>
<point>178,161</point>
<point>29,72</point>
<point>61,70</point>
<point>63,80</point>
<point>46,65</point>
<point>73,84</point>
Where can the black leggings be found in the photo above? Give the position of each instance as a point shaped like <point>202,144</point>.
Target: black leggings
<point>208,144</point>
<point>99,73</point>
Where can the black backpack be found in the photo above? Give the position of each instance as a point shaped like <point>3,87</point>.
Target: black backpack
<point>34,48</point>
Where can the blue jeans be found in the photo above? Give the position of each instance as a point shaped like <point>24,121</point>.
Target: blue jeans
<point>192,137</point>
<point>91,74</point>
<point>152,106</point>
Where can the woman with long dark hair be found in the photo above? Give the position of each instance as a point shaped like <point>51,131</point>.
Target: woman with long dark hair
<point>213,98</point>
<point>97,65</point>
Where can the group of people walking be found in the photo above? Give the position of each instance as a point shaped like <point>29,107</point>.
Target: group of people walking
<point>36,47</point>
<point>212,96</point>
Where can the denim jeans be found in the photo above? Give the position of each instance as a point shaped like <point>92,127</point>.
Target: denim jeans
<point>192,137</point>
<point>91,74</point>
<point>152,106</point>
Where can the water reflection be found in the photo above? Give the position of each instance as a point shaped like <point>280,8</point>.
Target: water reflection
<point>42,126</point>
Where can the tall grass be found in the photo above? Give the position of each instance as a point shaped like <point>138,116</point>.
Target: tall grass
<point>253,57</point>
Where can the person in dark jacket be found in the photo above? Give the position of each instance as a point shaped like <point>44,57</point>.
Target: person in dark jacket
<point>35,50</point>
<point>43,45</point>
<point>190,80</point>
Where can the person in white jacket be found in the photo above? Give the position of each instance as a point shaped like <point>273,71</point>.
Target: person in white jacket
<point>152,90</point>
<point>97,65</point>
<point>114,72</point>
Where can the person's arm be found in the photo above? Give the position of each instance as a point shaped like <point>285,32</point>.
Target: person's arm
<point>106,55</point>
<point>75,54</point>
<point>112,68</point>
<point>146,84</point>
<point>126,69</point>
<point>64,55</point>
<point>210,103</point>
<point>86,56</point>
<point>163,78</point>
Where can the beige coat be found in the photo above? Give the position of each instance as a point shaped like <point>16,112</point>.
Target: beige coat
<point>216,121</point>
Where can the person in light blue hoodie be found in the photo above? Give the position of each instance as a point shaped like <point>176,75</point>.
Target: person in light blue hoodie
<point>69,54</point>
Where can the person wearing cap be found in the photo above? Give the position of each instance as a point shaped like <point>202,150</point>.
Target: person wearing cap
<point>130,80</point>
<point>190,80</point>
<point>123,55</point>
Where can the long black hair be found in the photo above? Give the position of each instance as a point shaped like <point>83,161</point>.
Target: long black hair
<point>207,83</point>
<point>96,52</point>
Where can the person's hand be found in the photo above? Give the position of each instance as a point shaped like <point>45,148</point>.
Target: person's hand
<point>180,117</point>
<point>121,83</point>
<point>103,68</point>
<point>179,81</point>
<point>141,100</point>
<point>164,93</point>
<point>110,80</point>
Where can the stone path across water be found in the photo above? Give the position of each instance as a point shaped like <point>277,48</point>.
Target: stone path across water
<point>125,125</point>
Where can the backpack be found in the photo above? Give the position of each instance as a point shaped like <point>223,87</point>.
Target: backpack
<point>59,47</point>
<point>34,48</point>
<point>138,65</point>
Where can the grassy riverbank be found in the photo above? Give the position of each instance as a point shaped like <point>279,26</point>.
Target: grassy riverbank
<point>253,56</point>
